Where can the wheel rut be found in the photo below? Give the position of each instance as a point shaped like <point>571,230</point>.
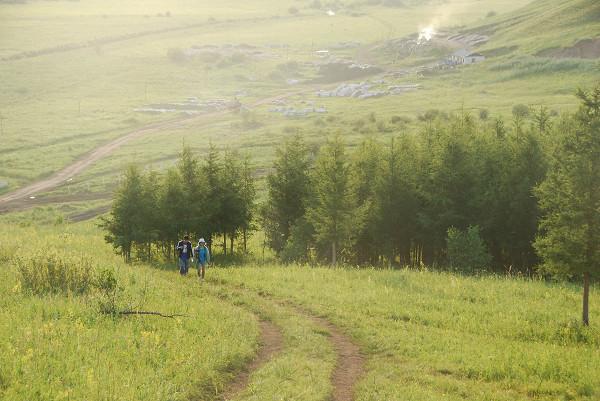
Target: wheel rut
<point>350,362</point>
<point>271,343</point>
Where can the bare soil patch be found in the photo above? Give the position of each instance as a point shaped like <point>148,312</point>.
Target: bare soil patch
<point>350,362</point>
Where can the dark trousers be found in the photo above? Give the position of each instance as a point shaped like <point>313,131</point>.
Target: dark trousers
<point>184,265</point>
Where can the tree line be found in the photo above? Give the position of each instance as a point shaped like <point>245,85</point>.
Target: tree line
<point>466,193</point>
<point>213,198</point>
<point>394,202</point>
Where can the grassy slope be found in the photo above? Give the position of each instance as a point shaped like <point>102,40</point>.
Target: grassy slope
<point>62,348</point>
<point>41,96</point>
<point>438,336</point>
<point>56,347</point>
<point>41,103</point>
<point>552,23</point>
<point>427,335</point>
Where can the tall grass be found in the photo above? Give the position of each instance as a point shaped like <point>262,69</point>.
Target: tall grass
<point>56,347</point>
<point>50,271</point>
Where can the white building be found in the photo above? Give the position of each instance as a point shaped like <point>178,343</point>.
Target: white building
<point>473,58</point>
<point>464,56</point>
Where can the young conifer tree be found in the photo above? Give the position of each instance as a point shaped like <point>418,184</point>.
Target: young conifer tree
<point>334,212</point>
<point>248,195</point>
<point>570,198</point>
<point>288,188</point>
<point>126,219</point>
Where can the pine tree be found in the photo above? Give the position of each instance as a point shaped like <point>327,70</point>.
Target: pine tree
<point>333,215</point>
<point>212,186</point>
<point>569,241</point>
<point>448,186</point>
<point>126,221</point>
<point>170,204</point>
<point>248,195</point>
<point>366,171</point>
<point>193,198</point>
<point>396,202</point>
<point>288,189</point>
<point>231,206</point>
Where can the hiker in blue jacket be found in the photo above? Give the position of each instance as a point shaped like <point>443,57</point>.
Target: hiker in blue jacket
<point>202,257</point>
<point>184,247</point>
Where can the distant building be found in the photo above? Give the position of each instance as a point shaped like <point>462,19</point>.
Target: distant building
<point>458,57</point>
<point>464,56</point>
<point>474,58</point>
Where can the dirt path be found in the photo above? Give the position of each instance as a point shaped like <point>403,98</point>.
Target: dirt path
<point>271,343</point>
<point>350,364</point>
<point>8,201</point>
<point>86,160</point>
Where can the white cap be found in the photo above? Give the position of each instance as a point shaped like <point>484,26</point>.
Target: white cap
<point>201,241</point>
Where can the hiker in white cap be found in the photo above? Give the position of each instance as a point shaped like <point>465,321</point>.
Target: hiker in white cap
<point>202,257</point>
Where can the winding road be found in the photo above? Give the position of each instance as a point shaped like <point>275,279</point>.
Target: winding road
<point>13,200</point>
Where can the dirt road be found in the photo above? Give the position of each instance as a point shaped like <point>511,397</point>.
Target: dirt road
<point>9,200</point>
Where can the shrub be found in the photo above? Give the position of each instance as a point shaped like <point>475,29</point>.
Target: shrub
<point>7,252</point>
<point>52,272</point>
<point>250,120</point>
<point>289,67</point>
<point>109,292</point>
<point>483,114</point>
<point>176,55</point>
<point>573,332</point>
<point>296,249</point>
<point>293,10</point>
<point>466,249</point>
<point>238,58</point>
<point>400,120</point>
<point>358,124</point>
<point>432,115</point>
<point>382,127</point>
<point>520,111</point>
<point>290,129</point>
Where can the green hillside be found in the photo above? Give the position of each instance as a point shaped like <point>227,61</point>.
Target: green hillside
<point>422,335</point>
<point>56,107</point>
<point>544,24</point>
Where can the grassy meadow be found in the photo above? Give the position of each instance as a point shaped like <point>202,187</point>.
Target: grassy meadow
<point>56,107</point>
<point>71,75</point>
<point>61,347</point>
<point>425,335</point>
<point>434,336</point>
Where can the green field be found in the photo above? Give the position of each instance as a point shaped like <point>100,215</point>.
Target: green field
<point>72,75</point>
<point>424,335</point>
<point>56,107</point>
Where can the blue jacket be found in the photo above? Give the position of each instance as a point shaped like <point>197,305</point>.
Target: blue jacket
<point>202,255</point>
